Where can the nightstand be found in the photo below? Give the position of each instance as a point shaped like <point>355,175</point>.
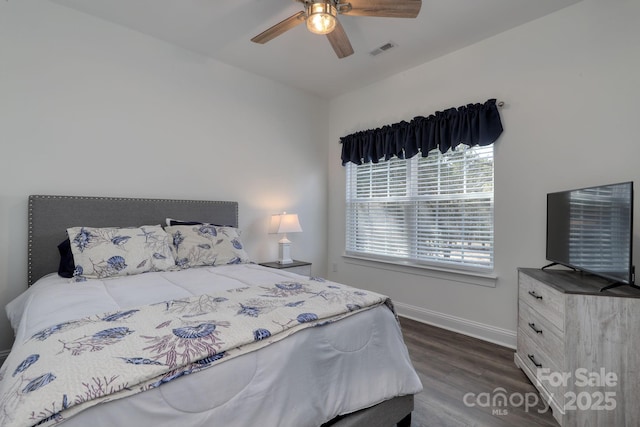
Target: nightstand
<point>299,267</point>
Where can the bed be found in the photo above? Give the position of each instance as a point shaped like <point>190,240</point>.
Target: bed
<point>351,369</point>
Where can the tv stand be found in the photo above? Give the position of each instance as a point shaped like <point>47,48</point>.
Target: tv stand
<point>549,265</point>
<point>556,263</point>
<point>611,286</point>
<point>578,345</point>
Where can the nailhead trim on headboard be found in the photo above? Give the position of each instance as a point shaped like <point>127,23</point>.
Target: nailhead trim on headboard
<point>216,207</point>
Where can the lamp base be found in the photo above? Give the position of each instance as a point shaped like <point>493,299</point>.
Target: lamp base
<point>284,251</point>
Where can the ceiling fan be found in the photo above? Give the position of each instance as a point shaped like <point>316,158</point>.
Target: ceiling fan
<point>321,17</point>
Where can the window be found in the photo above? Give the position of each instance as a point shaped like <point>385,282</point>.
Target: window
<point>435,210</point>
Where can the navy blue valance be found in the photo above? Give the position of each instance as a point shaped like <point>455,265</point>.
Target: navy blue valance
<point>473,124</point>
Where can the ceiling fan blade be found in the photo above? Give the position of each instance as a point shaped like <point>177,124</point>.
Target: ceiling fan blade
<point>339,41</point>
<point>381,8</point>
<point>279,28</point>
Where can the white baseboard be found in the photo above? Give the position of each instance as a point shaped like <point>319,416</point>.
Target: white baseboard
<point>503,337</point>
<point>3,356</point>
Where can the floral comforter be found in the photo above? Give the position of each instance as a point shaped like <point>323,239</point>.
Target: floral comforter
<point>71,366</point>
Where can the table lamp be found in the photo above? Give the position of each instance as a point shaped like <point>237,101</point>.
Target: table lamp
<point>282,224</point>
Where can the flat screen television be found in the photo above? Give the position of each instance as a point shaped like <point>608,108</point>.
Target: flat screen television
<point>591,230</point>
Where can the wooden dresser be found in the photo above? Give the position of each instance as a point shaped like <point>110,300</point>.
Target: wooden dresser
<point>580,347</point>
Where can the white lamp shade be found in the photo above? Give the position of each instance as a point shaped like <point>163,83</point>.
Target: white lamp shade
<point>282,224</point>
<point>285,223</point>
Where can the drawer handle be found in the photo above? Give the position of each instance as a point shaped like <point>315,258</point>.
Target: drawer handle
<point>536,296</point>
<point>533,326</point>
<point>533,360</point>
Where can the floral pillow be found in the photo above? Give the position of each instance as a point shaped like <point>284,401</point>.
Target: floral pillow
<point>206,244</point>
<point>112,251</point>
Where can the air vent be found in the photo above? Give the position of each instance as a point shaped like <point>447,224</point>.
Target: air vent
<point>385,47</point>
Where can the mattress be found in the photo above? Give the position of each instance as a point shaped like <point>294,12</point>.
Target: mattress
<point>307,379</point>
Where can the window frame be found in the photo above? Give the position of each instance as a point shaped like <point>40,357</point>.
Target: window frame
<point>413,185</point>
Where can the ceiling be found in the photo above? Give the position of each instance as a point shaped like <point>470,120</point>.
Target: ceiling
<point>222,29</point>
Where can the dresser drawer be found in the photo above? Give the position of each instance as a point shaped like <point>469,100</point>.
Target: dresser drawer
<point>536,361</point>
<point>543,299</point>
<point>542,333</point>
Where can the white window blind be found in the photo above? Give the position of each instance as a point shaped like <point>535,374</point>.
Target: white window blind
<point>435,210</point>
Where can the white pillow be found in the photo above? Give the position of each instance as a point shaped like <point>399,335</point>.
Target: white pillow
<point>113,251</point>
<point>206,244</point>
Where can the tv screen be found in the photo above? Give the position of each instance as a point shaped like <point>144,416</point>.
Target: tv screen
<point>591,229</point>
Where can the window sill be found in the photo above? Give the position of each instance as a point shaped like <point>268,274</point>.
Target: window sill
<point>461,276</point>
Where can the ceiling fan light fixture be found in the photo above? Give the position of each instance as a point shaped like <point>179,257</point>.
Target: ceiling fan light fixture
<point>321,17</point>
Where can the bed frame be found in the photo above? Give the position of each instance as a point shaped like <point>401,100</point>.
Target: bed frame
<point>50,216</point>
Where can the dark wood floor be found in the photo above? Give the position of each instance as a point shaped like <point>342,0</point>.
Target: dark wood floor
<point>452,365</point>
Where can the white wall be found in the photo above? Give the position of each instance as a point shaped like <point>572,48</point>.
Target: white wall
<point>570,82</point>
<point>91,108</point>
<point>87,107</point>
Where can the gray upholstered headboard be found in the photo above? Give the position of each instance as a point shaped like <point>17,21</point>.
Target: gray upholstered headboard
<point>50,216</point>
